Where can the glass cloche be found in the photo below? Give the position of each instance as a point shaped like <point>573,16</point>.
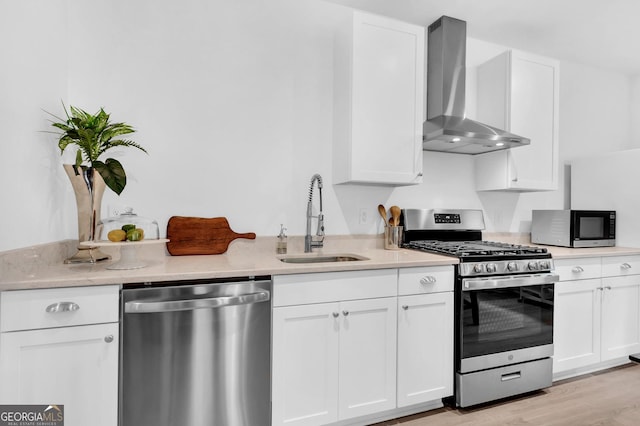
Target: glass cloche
<point>127,226</point>
<point>127,232</point>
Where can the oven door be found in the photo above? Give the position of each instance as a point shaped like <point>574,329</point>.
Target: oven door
<point>505,320</point>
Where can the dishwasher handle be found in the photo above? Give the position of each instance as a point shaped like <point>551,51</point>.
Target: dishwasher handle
<point>138,307</point>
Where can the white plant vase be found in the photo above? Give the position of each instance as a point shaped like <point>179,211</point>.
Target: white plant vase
<point>88,187</point>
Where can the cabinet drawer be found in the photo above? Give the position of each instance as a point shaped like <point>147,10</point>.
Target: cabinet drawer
<point>578,269</point>
<point>28,309</point>
<point>620,265</point>
<point>324,287</point>
<point>421,280</point>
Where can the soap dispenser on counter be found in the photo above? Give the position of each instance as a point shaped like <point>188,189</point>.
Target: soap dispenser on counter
<point>281,245</point>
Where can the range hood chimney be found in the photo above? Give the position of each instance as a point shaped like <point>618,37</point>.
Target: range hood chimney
<point>447,129</point>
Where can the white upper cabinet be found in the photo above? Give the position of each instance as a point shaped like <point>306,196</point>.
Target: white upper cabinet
<point>379,101</point>
<point>518,92</point>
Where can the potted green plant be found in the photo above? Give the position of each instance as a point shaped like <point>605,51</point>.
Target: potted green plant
<point>94,134</point>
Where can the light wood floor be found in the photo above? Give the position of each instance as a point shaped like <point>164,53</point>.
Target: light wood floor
<point>610,397</point>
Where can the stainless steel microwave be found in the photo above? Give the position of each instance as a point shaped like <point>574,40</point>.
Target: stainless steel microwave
<point>574,228</point>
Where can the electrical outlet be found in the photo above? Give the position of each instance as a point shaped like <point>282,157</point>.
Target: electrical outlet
<point>363,216</point>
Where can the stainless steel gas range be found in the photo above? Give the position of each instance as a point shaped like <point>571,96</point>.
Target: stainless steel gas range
<point>504,296</point>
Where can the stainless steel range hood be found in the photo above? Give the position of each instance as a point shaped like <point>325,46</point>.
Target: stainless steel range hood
<point>447,129</point>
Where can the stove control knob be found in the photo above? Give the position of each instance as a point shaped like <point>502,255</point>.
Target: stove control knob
<point>544,264</point>
<point>491,268</point>
<point>477,268</point>
<point>533,265</point>
<point>512,266</point>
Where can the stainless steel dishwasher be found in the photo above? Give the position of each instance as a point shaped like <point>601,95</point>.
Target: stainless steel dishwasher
<point>196,353</point>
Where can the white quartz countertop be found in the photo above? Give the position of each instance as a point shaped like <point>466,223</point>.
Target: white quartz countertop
<point>576,253</point>
<point>28,270</point>
<point>42,266</point>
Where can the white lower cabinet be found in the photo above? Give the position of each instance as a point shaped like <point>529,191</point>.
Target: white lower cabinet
<point>620,326</point>
<point>367,358</point>
<point>334,361</point>
<point>70,366</point>
<point>305,364</point>
<point>576,328</point>
<point>346,348</point>
<point>425,334</point>
<point>425,348</point>
<point>596,319</point>
<point>71,359</point>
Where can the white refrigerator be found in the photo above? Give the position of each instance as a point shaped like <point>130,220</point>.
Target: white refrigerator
<point>610,181</point>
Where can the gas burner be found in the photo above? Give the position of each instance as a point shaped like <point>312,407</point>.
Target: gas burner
<point>426,230</point>
<point>465,249</point>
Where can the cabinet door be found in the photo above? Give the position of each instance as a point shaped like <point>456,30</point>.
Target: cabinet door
<point>305,364</point>
<point>534,114</point>
<point>425,348</point>
<point>379,130</point>
<point>528,108</point>
<point>576,325</point>
<point>620,316</point>
<point>72,366</point>
<point>367,357</point>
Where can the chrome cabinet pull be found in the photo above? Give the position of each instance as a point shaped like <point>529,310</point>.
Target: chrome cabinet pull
<point>405,307</point>
<point>108,338</point>
<point>625,265</point>
<point>608,287</point>
<point>62,307</point>
<point>429,279</point>
<point>336,314</point>
<point>577,269</point>
<point>345,313</point>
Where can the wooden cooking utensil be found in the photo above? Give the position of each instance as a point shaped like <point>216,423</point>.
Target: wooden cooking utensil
<point>395,215</point>
<point>383,213</point>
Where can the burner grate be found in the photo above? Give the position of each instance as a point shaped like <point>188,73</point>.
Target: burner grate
<point>475,248</point>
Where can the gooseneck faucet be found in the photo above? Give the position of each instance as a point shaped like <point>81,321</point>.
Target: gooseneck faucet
<point>309,242</point>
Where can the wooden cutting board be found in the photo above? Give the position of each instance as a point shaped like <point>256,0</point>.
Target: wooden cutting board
<point>199,235</point>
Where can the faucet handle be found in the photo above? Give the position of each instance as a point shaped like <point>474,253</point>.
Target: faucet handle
<point>320,231</point>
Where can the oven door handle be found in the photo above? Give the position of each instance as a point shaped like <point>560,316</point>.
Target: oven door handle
<point>470,284</point>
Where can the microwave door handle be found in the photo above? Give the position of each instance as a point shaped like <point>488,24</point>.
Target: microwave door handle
<point>511,281</point>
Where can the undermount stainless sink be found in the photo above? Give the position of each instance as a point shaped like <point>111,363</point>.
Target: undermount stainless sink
<point>322,258</point>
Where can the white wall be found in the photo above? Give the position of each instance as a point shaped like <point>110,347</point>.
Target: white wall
<point>33,77</point>
<point>635,112</point>
<point>233,101</point>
